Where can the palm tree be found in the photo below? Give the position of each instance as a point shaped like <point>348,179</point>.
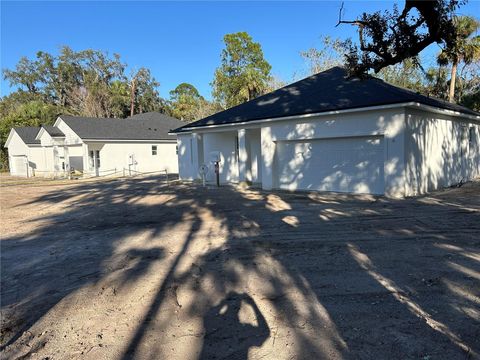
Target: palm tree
<point>466,49</point>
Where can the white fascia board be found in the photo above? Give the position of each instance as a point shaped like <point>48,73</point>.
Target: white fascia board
<point>180,133</point>
<point>168,141</point>
<point>40,133</point>
<point>436,110</point>
<point>9,138</point>
<point>256,123</point>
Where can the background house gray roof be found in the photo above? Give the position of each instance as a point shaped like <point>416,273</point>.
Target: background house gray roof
<point>147,126</point>
<point>28,134</point>
<point>53,131</point>
<point>326,91</point>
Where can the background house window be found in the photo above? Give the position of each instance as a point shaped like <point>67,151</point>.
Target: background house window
<point>97,157</point>
<point>90,158</point>
<point>154,149</point>
<point>237,152</point>
<point>471,135</point>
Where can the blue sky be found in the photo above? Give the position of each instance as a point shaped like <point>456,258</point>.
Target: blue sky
<point>178,41</point>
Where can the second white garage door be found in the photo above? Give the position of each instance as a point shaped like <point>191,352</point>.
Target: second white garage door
<point>352,165</point>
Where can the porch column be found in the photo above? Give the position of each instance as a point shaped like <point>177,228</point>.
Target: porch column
<point>86,164</point>
<point>244,173</point>
<point>268,154</point>
<point>196,142</point>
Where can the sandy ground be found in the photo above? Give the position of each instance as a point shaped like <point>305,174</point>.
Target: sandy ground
<point>138,269</point>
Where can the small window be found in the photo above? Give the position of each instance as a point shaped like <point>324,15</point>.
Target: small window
<point>176,149</point>
<point>237,147</point>
<point>471,135</point>
<point>154,149</point>
<point>97,157</point>
<point>191,151</point>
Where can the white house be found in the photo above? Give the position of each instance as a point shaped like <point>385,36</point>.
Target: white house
<point>94,146</point>
<point>329,132</point>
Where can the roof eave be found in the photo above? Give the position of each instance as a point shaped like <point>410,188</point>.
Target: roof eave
<point>9,138</point>
<point>411,104</point>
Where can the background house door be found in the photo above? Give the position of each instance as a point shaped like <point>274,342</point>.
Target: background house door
<point>94,159</point>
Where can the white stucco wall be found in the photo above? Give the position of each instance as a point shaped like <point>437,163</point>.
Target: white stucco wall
<point>16,146</point>
<point>222,144</point>
<point>115,155</point>
<point>387,123</point>
<point>438,151</point>
<point>185,157</point>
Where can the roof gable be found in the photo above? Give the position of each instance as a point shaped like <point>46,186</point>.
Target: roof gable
<point>26,133</point>
<point>330,90</point>
<point>52,131</point>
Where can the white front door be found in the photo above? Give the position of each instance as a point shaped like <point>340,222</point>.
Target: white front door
<point>353,165</point>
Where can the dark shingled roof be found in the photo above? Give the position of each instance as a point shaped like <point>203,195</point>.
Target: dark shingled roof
<point>326,91</point>
<point>147,126</point>
<point>53,131</point>
<point>28,134</point>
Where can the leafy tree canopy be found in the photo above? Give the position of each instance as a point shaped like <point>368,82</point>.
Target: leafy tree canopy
<point>187,104</point>
<point>243,74</point>
<point>389,37</point>
<point>87,82</point>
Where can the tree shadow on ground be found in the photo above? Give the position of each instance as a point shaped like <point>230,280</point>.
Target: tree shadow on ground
<point>317,275</point>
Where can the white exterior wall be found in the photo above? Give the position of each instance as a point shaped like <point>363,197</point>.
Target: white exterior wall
<point>386,123</point>
<point>32,153</point>
<point>17,147</point>
<point>185,157</point>
<point>222,144</point>
<point>255,155</point>
<point>438,151</point>
<point>115,156</point>
<point>29,153</point>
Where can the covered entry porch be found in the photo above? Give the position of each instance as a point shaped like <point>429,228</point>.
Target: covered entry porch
<point>238,153</point>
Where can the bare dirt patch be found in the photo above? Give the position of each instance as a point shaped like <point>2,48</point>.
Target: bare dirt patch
<point>138,269</point>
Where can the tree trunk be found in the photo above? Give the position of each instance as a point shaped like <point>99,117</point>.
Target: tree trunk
<point>132,97</point>
<point>453,77</point>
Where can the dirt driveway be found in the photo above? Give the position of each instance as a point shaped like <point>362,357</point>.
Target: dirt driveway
<point>138,269</point>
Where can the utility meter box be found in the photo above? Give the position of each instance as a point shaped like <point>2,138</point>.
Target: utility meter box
<point>214,156</point>
<point>131,159</point>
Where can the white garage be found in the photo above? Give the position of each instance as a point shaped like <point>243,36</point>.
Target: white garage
<point>352,165</point>
<point>332,132</point>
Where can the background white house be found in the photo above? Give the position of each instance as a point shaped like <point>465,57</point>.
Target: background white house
<point>94,146</point>
<point>329,132</point>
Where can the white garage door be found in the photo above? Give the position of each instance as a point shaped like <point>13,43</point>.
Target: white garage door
<point>18,166</point>
<point>344,164</point>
